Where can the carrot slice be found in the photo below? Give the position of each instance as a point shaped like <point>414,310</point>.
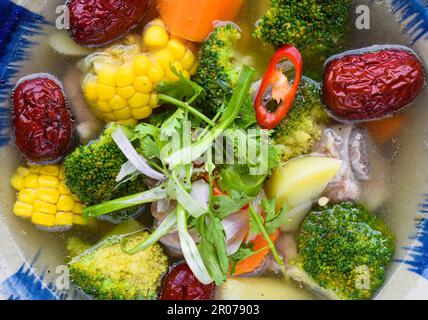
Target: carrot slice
<point>252,263</point>
<point>194,19</point>
<point>384,130</point>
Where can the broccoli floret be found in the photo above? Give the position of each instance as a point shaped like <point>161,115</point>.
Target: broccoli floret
<point>317,28</point>
<point>345,250</point>
<point>301,128</point>
<point>107,273</point>
<point>219,66</point>
<point>90,172</point>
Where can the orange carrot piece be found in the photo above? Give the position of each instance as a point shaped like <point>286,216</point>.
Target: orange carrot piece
<point>253,262</point>
<point>384,130</point>
<point>193,20</point>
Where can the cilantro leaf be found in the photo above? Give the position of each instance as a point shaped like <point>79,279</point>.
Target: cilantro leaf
<point>274,219</point>
<point>212,247</point>
<point>173,124</point>
<point>181,89</point>
<point>149,148</point>
<point>223,206</point>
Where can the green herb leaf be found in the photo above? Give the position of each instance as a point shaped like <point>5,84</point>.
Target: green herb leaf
<point>213,247</point>
<point>240,255</point>
<point>181,89</point>
<point>223,206</point>
<point>274,219</point>
<point>173,124</point>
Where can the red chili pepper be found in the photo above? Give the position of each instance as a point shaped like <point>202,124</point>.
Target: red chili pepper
<point>266,119</point>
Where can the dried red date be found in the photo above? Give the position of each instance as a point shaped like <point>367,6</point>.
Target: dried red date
<point>42,123</point>
<point>181,284</point>
<point>372,83</point>
<point>95,23</point>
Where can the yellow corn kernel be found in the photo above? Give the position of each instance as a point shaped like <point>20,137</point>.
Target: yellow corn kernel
<point>155,36</point>
<point>123,114</point>
<point>17,182</point>
<point>31,181</point>
<point>43,219</point>
<point>104,106</point>
<point>50,170</point>
<point>143,84</point>
<point>105,93</point>
<point>188,60</point>
<point>139,100</point>
<point>117,103</point>
<point>62,188</point>
<point>194,69</point>
<point>154,100</point>
<point>47,200</point>
<point>62,173</point>
<point>109,117</point>
<point>22,171</point>
<point>126,92</point>
<point>27,195</point>
<point>64,218</point>
<point>171,75</point>
<point>107,75</point>
<point>128,122</point>
<point>79,220</point>
<point>164,57</point>
<point>23,209</point>
<point>91,90</point>
<point>78,208</point>
<point>125,76</point>
<point>48,182</point>
<point>35,169</point>
<point>44,207</point>
<point>141,65</point>
<point>65,203</point>
<point>48,195</point>
<point>155,72</point>
<point>142,113</point>
<point>177,48</point>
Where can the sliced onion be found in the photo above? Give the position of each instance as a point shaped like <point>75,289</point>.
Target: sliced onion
<point>133,156</point>
<point>184,198</point>
<point>163,229</point>
<point>127,169</point>
<point>190,250</point>
<point>201,193</point>
<point>236,228</point>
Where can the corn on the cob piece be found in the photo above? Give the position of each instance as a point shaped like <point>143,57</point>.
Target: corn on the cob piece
<point>119,83</point>
<point>44,198</point>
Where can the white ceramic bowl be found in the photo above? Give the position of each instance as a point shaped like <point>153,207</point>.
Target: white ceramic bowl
<point>31,261</point>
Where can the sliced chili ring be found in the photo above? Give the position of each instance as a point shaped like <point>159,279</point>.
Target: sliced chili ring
<point>270,119</point>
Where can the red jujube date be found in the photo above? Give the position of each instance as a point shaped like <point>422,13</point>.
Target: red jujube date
<point>42,122</point>
<point>371,83</point>
<point>95,23</point>
<point>181,284</point>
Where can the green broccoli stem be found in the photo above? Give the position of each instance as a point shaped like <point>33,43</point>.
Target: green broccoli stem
<point>152,195</point>
<point>232,111</point>
<point>186,106</point>
<point>271,246</point>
